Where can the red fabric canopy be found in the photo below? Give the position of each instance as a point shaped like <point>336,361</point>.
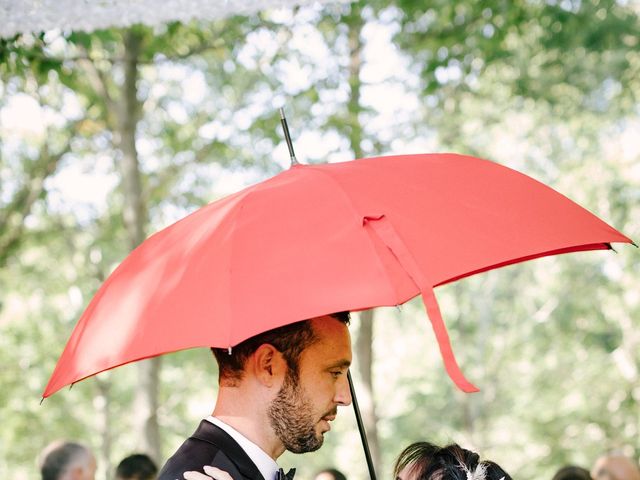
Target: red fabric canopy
<point>318,239</point>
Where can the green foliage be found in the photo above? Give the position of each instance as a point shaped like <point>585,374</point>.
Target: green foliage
<point>552,51</point>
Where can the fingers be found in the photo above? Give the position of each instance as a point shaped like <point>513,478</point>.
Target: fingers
<point>216,473</point>
<point>195,476</point>
<point>211,473</point>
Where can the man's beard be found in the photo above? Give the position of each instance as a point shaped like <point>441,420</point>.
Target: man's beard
<point>291,417</point>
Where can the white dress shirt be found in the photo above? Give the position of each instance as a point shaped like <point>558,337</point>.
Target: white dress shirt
<point>267,465</point>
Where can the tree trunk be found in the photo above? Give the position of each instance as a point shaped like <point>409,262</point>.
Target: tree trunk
<point>135,217</point>
<point>104,411</point>
<point>364,340</point>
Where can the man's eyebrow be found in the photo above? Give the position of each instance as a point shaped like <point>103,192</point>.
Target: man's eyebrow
<point>344,363</point>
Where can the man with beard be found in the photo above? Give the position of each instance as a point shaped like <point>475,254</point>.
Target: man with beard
<point>277,391</point>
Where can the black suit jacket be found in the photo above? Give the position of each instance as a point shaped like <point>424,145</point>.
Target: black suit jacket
<point>210,445</point>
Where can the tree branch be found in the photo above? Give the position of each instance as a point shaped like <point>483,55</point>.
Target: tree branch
<point>13,215</point>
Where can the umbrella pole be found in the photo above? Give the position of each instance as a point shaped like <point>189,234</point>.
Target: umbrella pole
<point>363,433</point>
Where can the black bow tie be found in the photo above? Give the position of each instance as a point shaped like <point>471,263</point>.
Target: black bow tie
<point>286,476</point>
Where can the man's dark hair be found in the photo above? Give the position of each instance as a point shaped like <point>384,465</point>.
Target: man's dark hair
<point>137,467</point>
<point>59,456</point>
<point>335,474</point>
<point>290,340</point>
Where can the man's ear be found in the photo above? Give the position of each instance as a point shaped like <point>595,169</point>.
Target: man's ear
<point>269,365</point>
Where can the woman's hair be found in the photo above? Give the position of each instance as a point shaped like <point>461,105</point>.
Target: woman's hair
<point>495,471</point>
<point>417,456</point>
<point>429,462</point>
<point>456,463</point>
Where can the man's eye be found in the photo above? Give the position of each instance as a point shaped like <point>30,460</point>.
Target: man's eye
<point>336,373</point>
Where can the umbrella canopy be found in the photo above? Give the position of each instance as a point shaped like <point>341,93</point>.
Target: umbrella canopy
<point>317,239</point>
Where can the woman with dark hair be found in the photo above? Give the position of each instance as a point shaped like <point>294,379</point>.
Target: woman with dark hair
<point>424,461</point>
<point>414,460</point>
<point>420,461</point>
<point>495,471</point>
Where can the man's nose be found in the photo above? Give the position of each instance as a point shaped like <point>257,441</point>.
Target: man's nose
<point>343,393</point>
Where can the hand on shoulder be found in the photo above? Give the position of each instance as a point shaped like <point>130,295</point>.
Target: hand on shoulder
<point>211,473</point>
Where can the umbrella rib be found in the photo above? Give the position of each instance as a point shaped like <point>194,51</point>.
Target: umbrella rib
<point>233,229</point>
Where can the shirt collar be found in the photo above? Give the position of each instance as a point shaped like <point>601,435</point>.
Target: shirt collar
<point>267,465</point>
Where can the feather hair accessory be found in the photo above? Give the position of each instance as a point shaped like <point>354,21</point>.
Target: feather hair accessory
<point>478,473</point>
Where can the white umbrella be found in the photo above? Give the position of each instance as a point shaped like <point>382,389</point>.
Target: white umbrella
<point>29,16</point>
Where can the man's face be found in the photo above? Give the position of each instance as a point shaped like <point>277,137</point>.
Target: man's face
<point>301,412</point>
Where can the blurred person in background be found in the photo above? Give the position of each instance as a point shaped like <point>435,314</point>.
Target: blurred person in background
<point>572,472</point>
<point>136,467</point>
<point>63,460</point>
<point>329,474</point>
<point>615,466</point>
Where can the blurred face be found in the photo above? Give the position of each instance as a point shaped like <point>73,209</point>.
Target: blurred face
<point>615,468</point>
<point>84,469</point>
<point>324,476</point>
<point>307,402</point>
<point>407,473</point>
<point>89,472</point>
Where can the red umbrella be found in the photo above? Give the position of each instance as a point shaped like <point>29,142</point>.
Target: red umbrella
<point>317,239</point>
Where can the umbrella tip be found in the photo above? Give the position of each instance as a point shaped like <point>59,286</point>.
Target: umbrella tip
<point>41,400</point>
<point>634,244</point>
<point>287,137</point>
<point>611,248</point>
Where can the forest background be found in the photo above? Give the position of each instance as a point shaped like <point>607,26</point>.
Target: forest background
<point>106,137</point>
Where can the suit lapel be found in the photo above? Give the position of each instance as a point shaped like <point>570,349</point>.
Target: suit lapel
<point>210,433</point>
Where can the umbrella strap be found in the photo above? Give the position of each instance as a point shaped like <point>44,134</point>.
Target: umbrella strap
<point>385,231</point>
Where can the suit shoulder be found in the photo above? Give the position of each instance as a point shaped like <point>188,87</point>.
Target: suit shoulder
<point>197,452</point>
